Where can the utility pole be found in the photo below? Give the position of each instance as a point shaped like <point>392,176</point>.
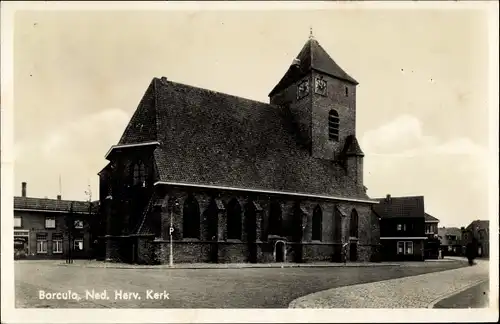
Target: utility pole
<point>90,221</point>
<point>69,227</point>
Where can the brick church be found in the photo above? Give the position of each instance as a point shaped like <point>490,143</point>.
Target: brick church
<point>237,180</point>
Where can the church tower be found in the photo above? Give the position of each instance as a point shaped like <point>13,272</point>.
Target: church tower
<point>320,97</point>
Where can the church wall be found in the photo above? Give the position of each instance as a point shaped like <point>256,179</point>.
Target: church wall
<point>198,250</point>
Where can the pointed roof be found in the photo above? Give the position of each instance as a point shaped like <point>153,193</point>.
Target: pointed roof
<point>351,147</point>
<point>430,218</point>
<point>312,57</point>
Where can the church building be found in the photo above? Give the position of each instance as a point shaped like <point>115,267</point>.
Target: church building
<point>228,179</point>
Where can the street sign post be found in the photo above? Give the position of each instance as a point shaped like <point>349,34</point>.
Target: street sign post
<point>171,230</point>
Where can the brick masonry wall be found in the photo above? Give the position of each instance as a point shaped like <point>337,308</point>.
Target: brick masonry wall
<point>113,250</point>
<point>35,223</point>
<point>322,146</point>
<point>199,250</point>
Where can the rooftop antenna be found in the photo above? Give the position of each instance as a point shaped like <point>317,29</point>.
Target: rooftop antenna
<point>60,185</point>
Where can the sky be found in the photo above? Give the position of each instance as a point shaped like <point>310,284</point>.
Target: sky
<point>422,101</point>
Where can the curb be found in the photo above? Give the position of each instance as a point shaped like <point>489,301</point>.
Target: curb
<point>233,267</point>
<point>455,292</point>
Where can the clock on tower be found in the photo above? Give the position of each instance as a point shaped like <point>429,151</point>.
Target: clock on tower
<point>320,86</point>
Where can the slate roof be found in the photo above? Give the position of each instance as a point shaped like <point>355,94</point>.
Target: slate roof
<point>400,207</point>
<point>430,218</point>
<point>352,147</point>
<point>312,57</point>
<point>45,204</point>
<point>212,138</point>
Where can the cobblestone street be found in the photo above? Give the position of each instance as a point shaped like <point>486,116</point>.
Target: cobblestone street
<point>196,288</point>
<point>422,291</point>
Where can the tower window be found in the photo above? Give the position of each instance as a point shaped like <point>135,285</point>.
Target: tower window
<point>346,91</point>
<point>333,125</point>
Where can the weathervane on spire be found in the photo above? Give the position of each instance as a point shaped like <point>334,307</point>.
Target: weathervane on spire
<point>311,33</point>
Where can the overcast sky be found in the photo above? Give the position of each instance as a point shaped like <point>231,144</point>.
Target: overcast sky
<point>422,106</point>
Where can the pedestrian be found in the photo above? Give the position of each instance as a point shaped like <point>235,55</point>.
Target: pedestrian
<point>471,250</point>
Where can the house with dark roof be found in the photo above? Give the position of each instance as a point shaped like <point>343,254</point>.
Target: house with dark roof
<point>433,243</point>
<point>204,176</point>
<point>431,225</point>
<point>451,240</point>
<point>402,228</point>
<point>51,228</point>
<point>480,231</point>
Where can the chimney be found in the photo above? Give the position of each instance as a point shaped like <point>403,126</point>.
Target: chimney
<point>388,198</point>
<point>58,197</point>
<point>23,189</point>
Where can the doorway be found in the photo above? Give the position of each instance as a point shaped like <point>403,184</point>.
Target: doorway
<point>353,252</point>
<point>279,251</point>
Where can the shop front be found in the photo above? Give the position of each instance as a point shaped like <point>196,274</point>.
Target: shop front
<point>21,244</point>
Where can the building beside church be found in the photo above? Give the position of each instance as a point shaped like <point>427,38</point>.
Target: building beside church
<point>47,228</point>
<point>480,231</point>
<point>228,179</point>
<point>402,228</point>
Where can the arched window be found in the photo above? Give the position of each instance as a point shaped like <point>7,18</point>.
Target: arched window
<point>353,228</point>
<point>317,223</point>
<point>234,219</point>
<point>337,225</point>
<point>191,218</point>
<point>139,173</point>
<point>275,219</point>
<point>333,125</point>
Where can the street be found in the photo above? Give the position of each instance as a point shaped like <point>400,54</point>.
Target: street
<point>474,297</point>
<point>191,288</point>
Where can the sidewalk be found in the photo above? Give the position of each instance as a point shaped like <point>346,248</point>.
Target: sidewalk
<point>113,265</point>
<point>420,291</point>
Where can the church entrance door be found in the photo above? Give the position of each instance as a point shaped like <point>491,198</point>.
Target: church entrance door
<point>353,252</point>
<point>279,251</point>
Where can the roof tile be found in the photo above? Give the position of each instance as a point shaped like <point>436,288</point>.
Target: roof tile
<point>45,204</point>
<point>400,207</point>
<point>217,139</point>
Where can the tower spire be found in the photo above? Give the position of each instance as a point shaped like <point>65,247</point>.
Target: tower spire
<point>311,36</point>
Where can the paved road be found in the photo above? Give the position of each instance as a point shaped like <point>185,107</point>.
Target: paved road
<point>197,288</point>
<point>475,297</point>
<point>420,291</point>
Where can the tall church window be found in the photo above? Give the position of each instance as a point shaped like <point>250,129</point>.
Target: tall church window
<point>191,218</point>
<point>139,173</point>
<point>234,220</point>
<point>353,228</point>
<point>317,223</point>
<point>337,225</point>
<point>275,219</point>
<point>333,125</point>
